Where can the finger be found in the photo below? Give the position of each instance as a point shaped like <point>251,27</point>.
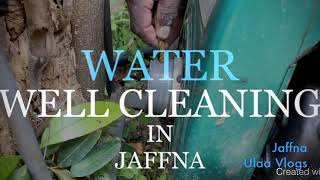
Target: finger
<point>141,20</point>
<point>149,36</point>
<point>167,12</point>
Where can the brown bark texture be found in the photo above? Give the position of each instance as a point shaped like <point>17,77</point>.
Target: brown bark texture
<point>44,43</point>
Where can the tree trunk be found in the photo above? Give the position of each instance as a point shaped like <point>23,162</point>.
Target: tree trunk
<point>87,24</point>
<point>7,144</point>
<point>44,43</point>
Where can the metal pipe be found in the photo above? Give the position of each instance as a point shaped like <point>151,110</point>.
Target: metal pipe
<point>107,39</point>
<point>22,130</point>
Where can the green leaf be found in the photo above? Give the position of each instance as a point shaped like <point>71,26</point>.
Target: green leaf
<point>63,128</point>
<point>141,177</point>
<point>104,173</point>
<point>144,120</point>
<point>96,159</point>
<point>72,152</point>
<point>135,171</point>
<point>127,173</point>
<point>7,164</point>
<point>163,176</point>
<point>51,150</point>
<point>62,174</point>
<point>21,174</point>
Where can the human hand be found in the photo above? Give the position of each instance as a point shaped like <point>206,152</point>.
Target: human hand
<point>164,26</point>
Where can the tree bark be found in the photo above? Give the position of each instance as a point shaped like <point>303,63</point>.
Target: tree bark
<point>7,145</point>
<point>87,24</point>
<point>41,52</point>
<point>45,39</point>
